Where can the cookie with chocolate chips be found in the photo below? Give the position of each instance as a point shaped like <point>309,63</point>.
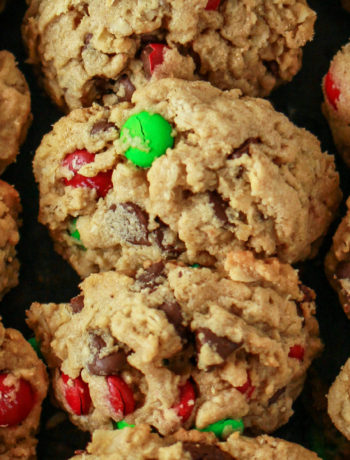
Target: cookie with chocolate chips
<point>10,208</point>
<point>95,50</point>
<point>185,172</point>
<point>337,263</point>
<point>141,443</point>
<point>175,345</point>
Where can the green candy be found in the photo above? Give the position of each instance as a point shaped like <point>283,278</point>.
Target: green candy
<point>195,266</point>
<point>74,233</point>
<point>223,428</point>
<point>120,425</point>
<point>36,346</point>
<point>147,136</point>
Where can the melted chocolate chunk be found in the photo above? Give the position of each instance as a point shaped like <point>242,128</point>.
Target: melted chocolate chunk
<point>101,126</point>
<point>219,206</point>
<point>171,250</point>
<point>173,313</point>
<point>244,148</point>
<point>135,225</point>
<point>275,397</point>
<point>107,365</point>
<point>199,451</point>
<point>150,278</point>
<point>77,303</point>
<point>221,345</point>
<point>342,271</point>
<point>145,60</point>
<point>129,88</point>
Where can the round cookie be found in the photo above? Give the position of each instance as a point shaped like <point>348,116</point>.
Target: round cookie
<point>339,401</point>
<point>15,116</point>
<point>100,51</point>
<point>239,176</point>
<point>176,345</point>
<point>141,444</point>
<point>23,386</point>
<point>337,263</point>
<point>10,207</point>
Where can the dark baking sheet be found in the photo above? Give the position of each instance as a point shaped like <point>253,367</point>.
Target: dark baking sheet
<point>45,277</point>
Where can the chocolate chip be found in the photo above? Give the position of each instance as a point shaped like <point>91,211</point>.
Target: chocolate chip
<point>77,303</point>
<point>101,126</point>
<point>129,88</point>
<point>107,365</point>
<point>343,270</point>
<point>219,206</point>
<point>133,223</point>
<point>221,345</point>
<point>87,38</point>
<point>145,60</point>
<point>170,249</point>
<point>150,278</point>
<point>272,67</point>
<point>244,148</point>
<point>199,451</point>
<point>173,313</point>
<point>275,397</point>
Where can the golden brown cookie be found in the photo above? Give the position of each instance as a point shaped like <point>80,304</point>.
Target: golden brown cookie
<point>95,50</point>
<point>339,400</point>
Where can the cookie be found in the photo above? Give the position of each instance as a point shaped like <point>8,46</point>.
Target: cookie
<point>176,345</point>
<point>141,444</point>
<point>226,172</point>
<point>339,401</point>
<point>23,386</point>
<point>337,263</point>
<point>15,116</point>
<point>100,51</point>
<point>10,207</point>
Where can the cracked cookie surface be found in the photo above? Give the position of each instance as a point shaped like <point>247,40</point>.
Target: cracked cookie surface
<point>176,345</point>
<point>239,176</point>
<point>101,50</point>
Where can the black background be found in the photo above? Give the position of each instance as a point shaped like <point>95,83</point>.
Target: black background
<point>45,277</point>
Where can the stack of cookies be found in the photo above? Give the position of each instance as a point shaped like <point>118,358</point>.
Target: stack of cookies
<point>182,199</point>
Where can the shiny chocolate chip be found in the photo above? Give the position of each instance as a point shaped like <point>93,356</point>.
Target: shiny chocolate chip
<point>150,278</point>
<point>221,345</point>
<point>101,126</point>
<point>199,451</point>
<point>77,303</point>
<point>343,270</point>
<point>170,249</point>
<point>219,206</point>
<point>173,313</point>
<point>107,365</point>
<point>129,88</point>
<point>244,148</point>
<point>277,395</point>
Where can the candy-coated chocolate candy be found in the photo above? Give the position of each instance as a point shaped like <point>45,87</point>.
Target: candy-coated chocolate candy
<point>147,137</point>
<point>102,182</point>
<point>77,394</point>
<point>16,400</point>
<point>73,231</point>
<point>212,5</point>
<point>297,352</point>
<point>122,424</point>
<point>120,396</point>
<point>247,388</point>
<point>223,428</point>
<point>152,55</point>
<point>187,399</point>
<point>36,346</point>
<point>195,266</point>
<point>332,91</point>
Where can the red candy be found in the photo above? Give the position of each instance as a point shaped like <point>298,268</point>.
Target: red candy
<point>77,394</point>
<point>187,398</point>
<point>332,91</point>
<point>153,55</point>
<point>297,352</point>
<point>16,400</point>
<point>247,388</point>
<point>120,396</point>
<point>102,182</point>
<point>212,5</point>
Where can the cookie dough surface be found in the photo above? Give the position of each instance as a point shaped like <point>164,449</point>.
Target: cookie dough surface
<point>339,401</point>
<point>15,116</point>
<point>19,361</point>
<point>10,207</point>
<point>337,263</point>
<point>95,50</point>
<point>193,345</point>
<point>239,176</point>
<point>141,444</point>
